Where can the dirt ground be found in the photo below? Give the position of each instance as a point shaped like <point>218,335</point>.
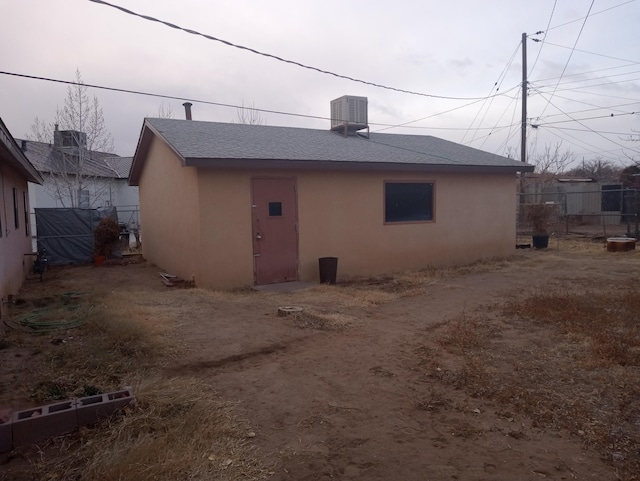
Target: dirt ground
<point>375,379</point>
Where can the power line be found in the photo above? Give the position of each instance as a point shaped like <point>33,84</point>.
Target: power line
<point>570,55</point>
<point>509,134</point>
<point>280,59</point>
<point>593,14</point>
<point>497,84</point>
<point>596,107</point>
<point>594,85</point>
<point>598,78</point>
<point>597,152</point>
<point>543,38</point>
<point>590,71</point>
<point>598,94</point>
<point>162,96</point>
<point>436,114</point>
<point>542,124</point>
<point>633,62</point>
<point>495,127</point>
<point>585,130</point>
<point>579,121</point>
<point>220,104</point>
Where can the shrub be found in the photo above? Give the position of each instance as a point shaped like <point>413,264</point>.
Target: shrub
<point>106,236</point>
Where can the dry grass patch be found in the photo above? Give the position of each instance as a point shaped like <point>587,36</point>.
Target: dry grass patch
<point>111,341</point>
<point>331,321</point>
<point>566,361</point>
<point>178,429</point>
<point>606,321</point>
<point>325,295</point>
<point>379,289</point>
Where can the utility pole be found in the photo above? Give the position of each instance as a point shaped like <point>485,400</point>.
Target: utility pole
<point>523,133</point>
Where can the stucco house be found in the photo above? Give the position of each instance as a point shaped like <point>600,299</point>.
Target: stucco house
<point>234,205</point>
<point>15,172</point>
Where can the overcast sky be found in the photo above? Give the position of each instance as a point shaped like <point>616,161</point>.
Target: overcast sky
<point>457,48</point>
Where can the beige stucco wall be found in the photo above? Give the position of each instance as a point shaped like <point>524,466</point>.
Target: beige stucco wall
<point>474,219</point>
<point>169,212</point>
<point>225,226</point>
<point>14,243</point>
<point>341,215</point>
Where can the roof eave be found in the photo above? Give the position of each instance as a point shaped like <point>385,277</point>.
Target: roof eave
<point>17,158</point>
<point>281,164</point>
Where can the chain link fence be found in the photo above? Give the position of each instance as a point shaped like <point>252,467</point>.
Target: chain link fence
<point>593,212</point>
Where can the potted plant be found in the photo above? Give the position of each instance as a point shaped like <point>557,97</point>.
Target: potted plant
<point>539,216</point>
<point>105,238</point>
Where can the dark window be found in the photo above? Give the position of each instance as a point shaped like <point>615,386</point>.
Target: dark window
<point>611,198</point>
<point>25,199</point>
<point>16,217</point>
<point>408,201</point>
<point>275,209</point>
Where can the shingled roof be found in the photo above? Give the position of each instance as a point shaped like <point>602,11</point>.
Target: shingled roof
<point>237,145</point>
<point>48,159</point>
<point>11,154</point>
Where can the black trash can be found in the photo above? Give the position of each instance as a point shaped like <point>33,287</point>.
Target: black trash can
<point>328,269</point>
<point>540,241</point>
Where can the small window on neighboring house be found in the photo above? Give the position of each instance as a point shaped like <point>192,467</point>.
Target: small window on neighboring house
<point>16,216</point>
<point>25,200</point>
<point>611,200</point>
<point>408,202</point>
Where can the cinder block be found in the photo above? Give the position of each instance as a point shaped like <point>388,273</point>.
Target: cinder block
<point>92,409</point>
<point>36,424</point>
<point>6,436</point>
<point>121,398</point>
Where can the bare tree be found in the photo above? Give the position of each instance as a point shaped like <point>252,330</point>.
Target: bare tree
<point>633,137</point>
<point>596,169</point>
<point>164,111</point>
<point>249,115</point>
<point>548,164</point>
<point>77,133</point>
<point>552,161</point>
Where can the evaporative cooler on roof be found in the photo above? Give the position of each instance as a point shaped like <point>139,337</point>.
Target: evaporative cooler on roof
<point>349,111</point>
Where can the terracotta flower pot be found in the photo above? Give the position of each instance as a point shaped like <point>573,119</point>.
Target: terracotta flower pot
<point>99,260</point>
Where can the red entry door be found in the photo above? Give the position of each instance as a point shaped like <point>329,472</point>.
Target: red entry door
<point>275,235</point>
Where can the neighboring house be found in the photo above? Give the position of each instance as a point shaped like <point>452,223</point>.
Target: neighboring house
<point>105,176</point>
<point>15,242</point>
<point>234,205</point>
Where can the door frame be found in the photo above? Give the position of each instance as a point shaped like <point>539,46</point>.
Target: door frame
<point>254,231</point>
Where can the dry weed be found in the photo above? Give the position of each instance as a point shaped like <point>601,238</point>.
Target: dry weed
<point>463,334</point>
<point>607,321</point>
<point>178,429</point>
<point>578,372</point>
<point>332,321</point>
<point>410,283</point>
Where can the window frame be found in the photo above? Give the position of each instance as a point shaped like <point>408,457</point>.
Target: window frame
<point>16,216</point>
<point>430,182</point>
<point>25,201</point>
